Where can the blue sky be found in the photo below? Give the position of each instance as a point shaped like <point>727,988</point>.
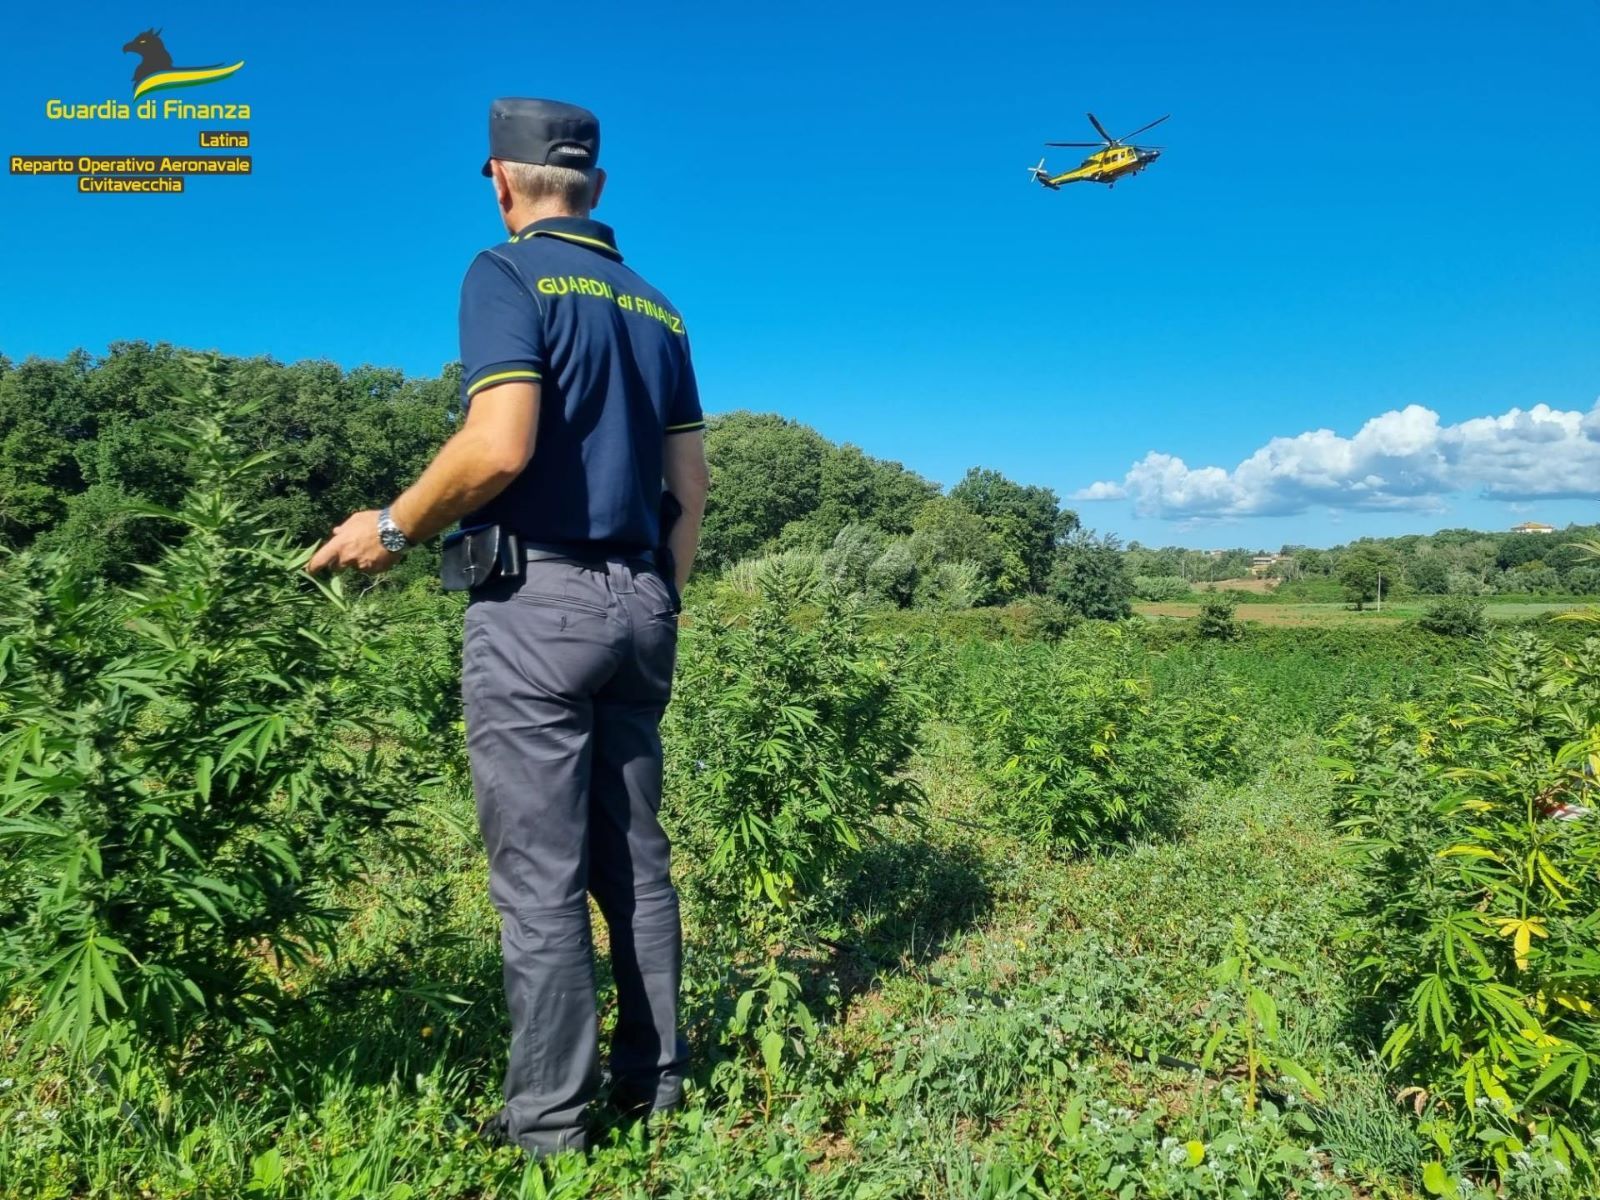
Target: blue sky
<point>1362,208</point>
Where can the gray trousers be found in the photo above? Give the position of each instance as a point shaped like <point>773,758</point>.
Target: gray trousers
<point>565,675</point>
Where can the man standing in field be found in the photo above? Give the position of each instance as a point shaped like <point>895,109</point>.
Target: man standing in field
<point>580,402</point>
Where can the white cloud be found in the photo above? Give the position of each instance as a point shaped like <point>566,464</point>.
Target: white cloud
<point>1101,491</point>
<point>1404,459</point>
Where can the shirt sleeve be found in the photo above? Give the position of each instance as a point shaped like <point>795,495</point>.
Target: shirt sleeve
<point>502,327</point>
<point>683,413</point>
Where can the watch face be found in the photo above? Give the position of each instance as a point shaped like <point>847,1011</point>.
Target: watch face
<point>390,536</point>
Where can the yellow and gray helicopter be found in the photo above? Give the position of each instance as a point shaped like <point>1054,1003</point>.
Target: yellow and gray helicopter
<point>1113,161</point>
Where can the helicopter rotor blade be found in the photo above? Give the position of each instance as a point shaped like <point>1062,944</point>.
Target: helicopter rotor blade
<point>1101,129</point>
<point>1142,128</point>
<point>1084,145</point>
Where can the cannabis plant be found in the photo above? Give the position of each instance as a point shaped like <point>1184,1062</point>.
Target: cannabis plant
<point>190,766</point>
<point>1476,833</point>
<point>787,740</point>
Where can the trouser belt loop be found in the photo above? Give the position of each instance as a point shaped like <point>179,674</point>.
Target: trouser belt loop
<point>621,576</point>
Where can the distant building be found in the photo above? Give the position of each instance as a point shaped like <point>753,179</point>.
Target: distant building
<point>1261,564</point>
<point>1533,527</point>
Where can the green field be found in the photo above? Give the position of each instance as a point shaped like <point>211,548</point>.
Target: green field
<point>1496,609</point>
<point>1025,982</point>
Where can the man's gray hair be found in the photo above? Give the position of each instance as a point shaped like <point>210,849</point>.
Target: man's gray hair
<point>572,187</point>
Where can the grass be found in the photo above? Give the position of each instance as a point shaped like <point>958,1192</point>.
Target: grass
<point>1000,1021</point>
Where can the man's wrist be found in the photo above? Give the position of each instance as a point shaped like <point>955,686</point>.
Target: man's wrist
<point>395,539</point>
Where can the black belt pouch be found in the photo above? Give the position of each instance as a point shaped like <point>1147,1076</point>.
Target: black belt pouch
<point>472,557</point>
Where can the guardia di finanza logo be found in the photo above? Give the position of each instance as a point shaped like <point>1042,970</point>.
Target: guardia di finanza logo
<point>155,72</point>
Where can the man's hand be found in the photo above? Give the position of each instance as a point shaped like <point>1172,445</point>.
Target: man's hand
<point>491,448</point>
<point>354,544</point>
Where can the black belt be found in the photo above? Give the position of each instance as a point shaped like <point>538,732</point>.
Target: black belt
<point>578,553</point>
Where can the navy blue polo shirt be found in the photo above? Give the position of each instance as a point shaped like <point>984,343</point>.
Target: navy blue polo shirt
<point>555,305</point>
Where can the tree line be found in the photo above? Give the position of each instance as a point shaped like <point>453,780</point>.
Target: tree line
<point>85,441</point>
<point>1451,562</point>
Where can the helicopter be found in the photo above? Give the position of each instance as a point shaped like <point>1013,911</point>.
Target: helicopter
<point>1115,160</point>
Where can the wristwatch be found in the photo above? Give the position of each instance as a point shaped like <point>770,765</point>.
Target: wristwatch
<point>394,538</point>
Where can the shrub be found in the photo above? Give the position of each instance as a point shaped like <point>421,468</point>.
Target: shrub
<point>1216,617</point>
<point>1049,620</point>
<point>1316,590</point>
<point>952,586</point>
<point>1583,581</point>
<point>1530,579</point>
<point>854,550</point>
<point>1473,826</point>
<point>744,576</point>
<point>1455,616</point>
<point>190,767</point>
<point>1161,587</point>
<point>784,745</point>
<point>892,578</point>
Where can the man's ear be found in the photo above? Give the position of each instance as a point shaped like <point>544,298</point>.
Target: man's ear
<point>502,185</point>
<point>599,186</point>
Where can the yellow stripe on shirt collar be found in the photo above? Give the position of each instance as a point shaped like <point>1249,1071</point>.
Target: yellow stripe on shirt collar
<point>571,237</point>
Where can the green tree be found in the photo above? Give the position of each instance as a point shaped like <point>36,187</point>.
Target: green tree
<point>897,496</point>
<point>1027,522</point>
<point>855,488</point>
<point>43,414</point>
<point>37,477</point>
<point>1429,574</point>
<point>1360,571</point>
<point>1583,581</point>
<point>1311,562</point>
<point>948,532</point>
<point>81,438</point>
<point>766,471</point>
<point>1515,549</point>
<point>1091,579</point>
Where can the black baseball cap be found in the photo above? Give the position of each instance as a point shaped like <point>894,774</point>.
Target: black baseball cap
<point>546,133</point>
